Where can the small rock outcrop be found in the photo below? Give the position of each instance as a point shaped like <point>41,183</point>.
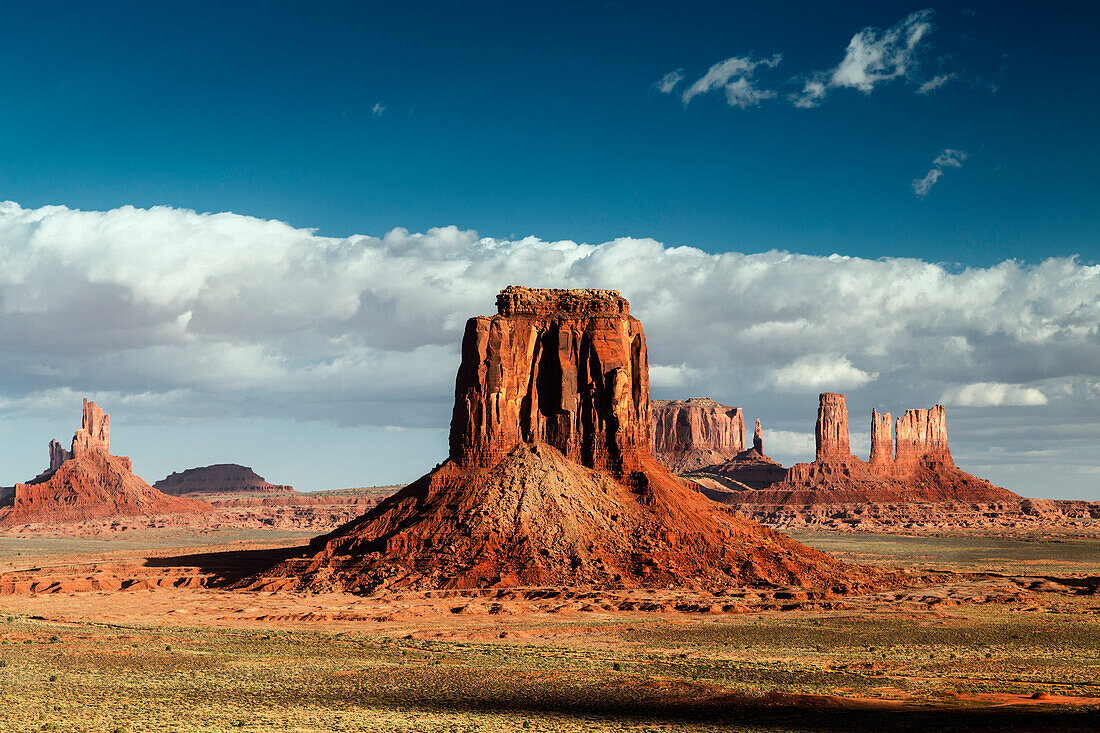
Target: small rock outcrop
<point>221,479</point>
<point>551,480</point>
<point>87,482</point>
<point>758,438</point>
<point>697,432</point>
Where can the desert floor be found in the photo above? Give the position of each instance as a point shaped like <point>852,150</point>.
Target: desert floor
<point>117,632</point>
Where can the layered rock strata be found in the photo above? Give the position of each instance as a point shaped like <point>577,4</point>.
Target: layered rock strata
<point>86,482</point>
<point>550,479</point>
<point>694,433</point>
<point>219,479</point>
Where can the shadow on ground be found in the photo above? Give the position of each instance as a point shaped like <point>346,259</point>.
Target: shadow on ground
<point>229,567</point>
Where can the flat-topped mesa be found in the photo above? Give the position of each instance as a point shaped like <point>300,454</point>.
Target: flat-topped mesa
<point>882,440</point>
<point>568,368</point>
<point>758,438</point>
<point>94,433</point>
<point>516,300</point>
<point>690,434</point>
<point>831,432</point>
<point>922,438</point>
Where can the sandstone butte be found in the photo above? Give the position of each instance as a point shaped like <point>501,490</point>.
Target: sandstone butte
<point>691,434</point>
<point>909,463</point>
<point>551,479</point>
<point>221,479</point>
<point>87,482</point>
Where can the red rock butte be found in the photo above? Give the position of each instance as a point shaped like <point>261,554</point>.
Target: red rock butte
<point>551,480</point>
<point>690,434</point>
<point>86,482</point>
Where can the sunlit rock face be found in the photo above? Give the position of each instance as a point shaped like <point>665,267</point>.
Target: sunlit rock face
<point>568,368</point>
<point>694,433</point>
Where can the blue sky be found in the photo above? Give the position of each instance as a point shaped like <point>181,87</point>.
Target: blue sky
<point>479,144</point>
<point>520,119</point>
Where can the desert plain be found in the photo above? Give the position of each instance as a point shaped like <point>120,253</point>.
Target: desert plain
<point>1005,637</point>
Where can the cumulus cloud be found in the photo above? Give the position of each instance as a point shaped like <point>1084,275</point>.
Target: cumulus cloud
<point>814,373</point>
<point>735,76</point>
<point>948,158</point>
<point>222,314</point>
<point>668,82</point>
<point>993,394</point>
<point>789,443</point>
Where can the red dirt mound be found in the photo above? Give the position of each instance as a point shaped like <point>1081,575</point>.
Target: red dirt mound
<point>551,479</point>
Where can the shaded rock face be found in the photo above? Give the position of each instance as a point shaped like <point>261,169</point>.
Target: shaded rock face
<point>690,434</point>
<point>758,438</point>
<point>831,432</point>
<point>568,368</point>
<point>88,482</point>
<point>550,478</point>
<point>221,478</point>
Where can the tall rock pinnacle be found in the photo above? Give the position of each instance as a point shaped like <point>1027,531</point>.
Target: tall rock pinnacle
<point>882,439</point>
<point>832,428</point>
<point>758,438</point>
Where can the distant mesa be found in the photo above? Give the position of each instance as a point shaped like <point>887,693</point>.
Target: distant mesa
<point>699,434</point>
<point>87,482</point>
<point>219,479</point>
<point>694,433</point>
<point>551,478</point>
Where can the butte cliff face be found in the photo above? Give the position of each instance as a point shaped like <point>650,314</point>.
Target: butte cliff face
<point>221,478</point>
<point>694,433</point>
<point>551,480</point>
<point>86,482</point>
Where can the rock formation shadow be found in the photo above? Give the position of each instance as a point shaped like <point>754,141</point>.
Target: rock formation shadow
<point>229,567</point>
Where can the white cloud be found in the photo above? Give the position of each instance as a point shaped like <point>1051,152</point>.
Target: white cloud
<point>934,83</point>
<point>227,314</point>
<point>814,373</point>
<point>668,82</point>
<point>789,443</point>
<point>735,76</point>
<point>993,394</point>
<point>874,56</point>
<point>948,158</point>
